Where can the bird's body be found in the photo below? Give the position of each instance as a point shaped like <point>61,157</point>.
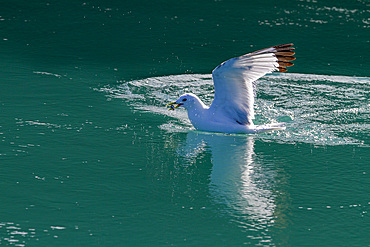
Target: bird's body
<point>232,108</point>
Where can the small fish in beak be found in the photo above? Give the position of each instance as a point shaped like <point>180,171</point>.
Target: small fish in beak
<point>172,106</point>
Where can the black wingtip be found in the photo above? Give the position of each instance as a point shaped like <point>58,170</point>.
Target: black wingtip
<point>284,53</point>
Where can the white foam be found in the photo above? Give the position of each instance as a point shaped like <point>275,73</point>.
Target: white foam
<point>318,109</point>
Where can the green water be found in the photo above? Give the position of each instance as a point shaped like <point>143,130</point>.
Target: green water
<point>89,156</point>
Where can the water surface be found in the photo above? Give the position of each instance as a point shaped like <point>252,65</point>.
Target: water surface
<point>89,156</point>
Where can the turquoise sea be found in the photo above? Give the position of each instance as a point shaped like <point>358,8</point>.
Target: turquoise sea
<point>90,156</point>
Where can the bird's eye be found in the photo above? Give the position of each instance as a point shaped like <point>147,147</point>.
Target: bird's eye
<point>184,99</point>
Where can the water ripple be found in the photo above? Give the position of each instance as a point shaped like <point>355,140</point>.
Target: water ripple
<point>318,109</point>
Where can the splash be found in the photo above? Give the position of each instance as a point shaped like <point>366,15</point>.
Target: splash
<point>318,109</point>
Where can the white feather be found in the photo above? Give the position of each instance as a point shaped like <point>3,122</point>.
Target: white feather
<point>233,80</point>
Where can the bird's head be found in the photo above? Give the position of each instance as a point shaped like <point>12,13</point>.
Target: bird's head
<point>186,100</point>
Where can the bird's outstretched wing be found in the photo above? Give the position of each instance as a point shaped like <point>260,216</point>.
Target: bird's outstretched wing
<point>233,81</point>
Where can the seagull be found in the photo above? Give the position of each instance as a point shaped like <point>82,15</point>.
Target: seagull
<point>232,108</point>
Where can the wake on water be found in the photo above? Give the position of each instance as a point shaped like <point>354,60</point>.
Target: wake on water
<point>317,109</point>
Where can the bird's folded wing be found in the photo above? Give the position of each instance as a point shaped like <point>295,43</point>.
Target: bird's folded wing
<point>233,81</point>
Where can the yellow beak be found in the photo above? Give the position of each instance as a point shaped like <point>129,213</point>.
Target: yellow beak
<point>172,106</point>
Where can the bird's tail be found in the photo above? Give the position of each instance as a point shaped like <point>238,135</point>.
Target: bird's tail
<point>269,127</point>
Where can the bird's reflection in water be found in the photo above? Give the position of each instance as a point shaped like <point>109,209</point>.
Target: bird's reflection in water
<point>238,178</point>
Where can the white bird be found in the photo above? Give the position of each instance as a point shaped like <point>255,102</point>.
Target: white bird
<point>232,108</point>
